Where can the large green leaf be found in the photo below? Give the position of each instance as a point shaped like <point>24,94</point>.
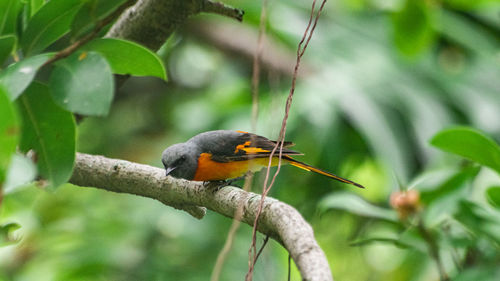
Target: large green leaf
<point>17,77</point>
<point>50,132</point>
<point>412,27</point>
<point>90,13</point>
<point>48,24</point>
<point>9,132</point>
<point>9,11</point>
<point>356,205</point>
<point>7,44</point>
<point>83,84</point>
<point>471,144</point>
<point>126,57</point>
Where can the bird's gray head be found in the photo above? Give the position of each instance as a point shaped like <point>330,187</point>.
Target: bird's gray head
<point>180,160</point>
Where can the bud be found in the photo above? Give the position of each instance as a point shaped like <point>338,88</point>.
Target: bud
<point>406,203</point>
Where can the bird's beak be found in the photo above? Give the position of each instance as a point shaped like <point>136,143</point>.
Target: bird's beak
<point>169,170</point>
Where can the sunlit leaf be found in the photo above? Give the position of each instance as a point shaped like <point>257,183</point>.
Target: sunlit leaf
<point>9,133</point>
<point>126,57</point>
<point>48,24</point>
<point>17,77</point>
<point>9,10</point>
<point>471,144</point>
<point>7,44</point>
<point>356,205</point>
<point>50,132</point>
<point>412,27</point>
<point>83,83</point>
<point>21,172</point>
<point>493,196</point>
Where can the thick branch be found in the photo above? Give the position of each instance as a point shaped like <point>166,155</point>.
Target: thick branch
<point>278,220</point>
<point>151,22</point>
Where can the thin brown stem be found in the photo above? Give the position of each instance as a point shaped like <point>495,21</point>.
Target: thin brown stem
<point>281,139</point>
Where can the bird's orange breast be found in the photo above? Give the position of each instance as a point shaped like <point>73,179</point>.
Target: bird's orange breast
<point>209,170</point>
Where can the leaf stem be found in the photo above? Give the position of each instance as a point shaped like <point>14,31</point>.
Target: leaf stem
<point>433,249</point>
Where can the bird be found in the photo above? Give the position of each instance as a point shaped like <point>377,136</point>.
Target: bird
<point>223,155</point>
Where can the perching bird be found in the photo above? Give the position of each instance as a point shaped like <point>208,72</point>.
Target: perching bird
<point>223,155</point>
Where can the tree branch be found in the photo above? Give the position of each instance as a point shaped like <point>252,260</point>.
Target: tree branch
<point>278,220</point>
<point>151,22</point>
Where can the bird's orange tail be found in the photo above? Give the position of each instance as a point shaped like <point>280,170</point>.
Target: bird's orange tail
<point>306,167</point>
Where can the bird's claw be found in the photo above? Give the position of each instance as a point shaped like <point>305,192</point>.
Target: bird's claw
<point>217,185</point>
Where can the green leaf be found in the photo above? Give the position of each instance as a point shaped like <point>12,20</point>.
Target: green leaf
<point>454,183</point>
<point>444,199</point>
<point>493,196</point>
<point>90,13</point>
<point>126,57</point>
<point>413,31</point>
<point>83,84</point>
<point>17,77</point>
<point>7,44</point>
<point>478,220</point>
<point>9,133</point>
<point>34,6</point>
<point>50,132</point>
<point>6,233</point>
<point>9,11</point>
<point>356,205</point>
<point>470,144</point>
<point>50,23</point>
<point>21,172</point>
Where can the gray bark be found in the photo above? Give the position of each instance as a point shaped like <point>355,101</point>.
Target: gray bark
<point>278,220</point>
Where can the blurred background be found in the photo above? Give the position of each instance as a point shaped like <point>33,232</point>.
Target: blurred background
<point>379,79</point>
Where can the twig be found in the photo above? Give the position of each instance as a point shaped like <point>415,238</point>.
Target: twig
<point>289,267</point>
<point>85,39</point>
<point>222,9</point>
<point>281,139</point>
<point>261,248</point>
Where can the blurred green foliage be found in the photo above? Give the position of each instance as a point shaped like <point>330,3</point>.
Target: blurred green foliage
<point>379,86</point>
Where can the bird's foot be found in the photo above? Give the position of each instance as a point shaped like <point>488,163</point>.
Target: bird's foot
<point>217,185</point>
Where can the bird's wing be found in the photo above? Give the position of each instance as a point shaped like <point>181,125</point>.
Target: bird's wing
<point>226,146</point>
